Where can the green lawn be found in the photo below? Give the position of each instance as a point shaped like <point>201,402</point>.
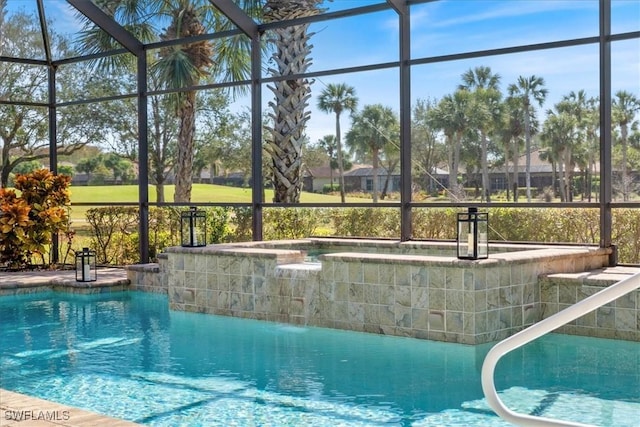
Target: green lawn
<point>201,193</point>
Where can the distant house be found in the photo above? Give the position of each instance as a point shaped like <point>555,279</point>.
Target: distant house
<point>361,179</point>
<point>314,179</point>
<point>541,173</point>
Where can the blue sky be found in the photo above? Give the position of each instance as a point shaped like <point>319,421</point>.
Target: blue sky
<point>457,26</point>
<point>450,27</point>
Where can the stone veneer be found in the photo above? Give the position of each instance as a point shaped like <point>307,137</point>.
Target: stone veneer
<point>404,293</point>
<point>152,277</point>
<point>619,319</point>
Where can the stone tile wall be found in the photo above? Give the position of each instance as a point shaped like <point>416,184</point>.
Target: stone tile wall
<point>440,298</point>
<point>152,277</point>
<point>619,319</point>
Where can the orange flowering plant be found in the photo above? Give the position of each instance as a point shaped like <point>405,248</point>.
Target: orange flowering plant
<point>30,218</point>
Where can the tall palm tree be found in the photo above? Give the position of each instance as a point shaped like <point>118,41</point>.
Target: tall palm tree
<point>528,89</point>
<point>624,108</point>
<point>584,110</point>
<point>452,117</point>
<point>484,85</point>
<point>289,113</point>
<point>512,131</point>
<point>184,66</point>
<point>177,66</point>
<point>561,135</point>
<point>336,98</point>
<point>372,129</point>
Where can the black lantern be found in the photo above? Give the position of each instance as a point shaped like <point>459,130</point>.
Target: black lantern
<point>86,266</point>
<point>193,228</point>
<point>472,234</point>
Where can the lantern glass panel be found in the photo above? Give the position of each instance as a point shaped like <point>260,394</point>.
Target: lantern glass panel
<point>472,239</point>
<point>193,228</point>
<point>483,235</point>
<point>86,266</point>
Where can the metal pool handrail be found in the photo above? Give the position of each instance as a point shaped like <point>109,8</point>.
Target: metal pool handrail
<point>535,331</point>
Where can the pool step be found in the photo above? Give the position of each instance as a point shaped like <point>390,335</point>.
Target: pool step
<point>599,277</point>
<point>569,406</point>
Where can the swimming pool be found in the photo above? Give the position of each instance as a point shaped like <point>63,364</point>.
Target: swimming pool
<point>126,355</point>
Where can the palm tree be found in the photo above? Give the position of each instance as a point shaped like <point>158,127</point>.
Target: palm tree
<point>624,108</point>
<point>561,135</point>
<point>512,131</point>
<point>184,66</point>
<point>176,66</point>
<point>528,89</point>
<point>584,110</point>
<point>290,113</point>
<point>485,88</point>
<point>371,131</point>
<point>452,117</point>
<point>337,98</point>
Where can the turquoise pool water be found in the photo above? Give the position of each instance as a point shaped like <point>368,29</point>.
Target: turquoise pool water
<point>126,355</point>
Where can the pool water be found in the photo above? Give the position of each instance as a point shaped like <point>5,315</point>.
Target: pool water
<point>126,355</point>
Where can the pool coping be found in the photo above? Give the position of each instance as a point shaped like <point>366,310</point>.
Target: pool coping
<point>18,409</point>
<point>19,282</point>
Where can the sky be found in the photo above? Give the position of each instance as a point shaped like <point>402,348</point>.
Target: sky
<point>451,27</point>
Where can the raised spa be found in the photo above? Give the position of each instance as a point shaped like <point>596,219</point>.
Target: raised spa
<point>416,289</point>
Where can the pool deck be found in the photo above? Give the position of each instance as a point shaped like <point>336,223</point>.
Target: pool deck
<point>26,411</point>
<point>15,282</point>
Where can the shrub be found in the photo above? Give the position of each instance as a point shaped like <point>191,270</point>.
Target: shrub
<point>115,230</point>
<point>111,228</point>
<point>290,223</point>
<point>28,222</point>
<point>366,222</point>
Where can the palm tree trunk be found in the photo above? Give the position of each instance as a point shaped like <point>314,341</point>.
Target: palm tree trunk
<point>527,135</point>
<point>453,174</point>
<point>563,195</point>
<point>486,184</point>
<point>625,183</point>
<point>184,166</point>
<point>375,175</point>
<point>340,161</point>
<point>516,173</point>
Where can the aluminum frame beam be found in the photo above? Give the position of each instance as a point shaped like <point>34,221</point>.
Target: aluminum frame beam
<point>237,16</point>
<point>107,24</point>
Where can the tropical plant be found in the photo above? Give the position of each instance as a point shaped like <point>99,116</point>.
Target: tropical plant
<point>336,98</point>
<point>29,221</point>
<point>528,90</point>
<point>561,135</point>
<point>487,111</point>
<point>511,132</point>
<point>372,131</point>
<point>452,117</point>
<point>585,112</point>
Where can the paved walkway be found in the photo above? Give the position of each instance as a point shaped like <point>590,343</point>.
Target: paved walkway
<point>19,410</point>
<point>11,281</point>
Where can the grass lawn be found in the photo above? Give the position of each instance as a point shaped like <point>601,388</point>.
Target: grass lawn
<point>200,193</point>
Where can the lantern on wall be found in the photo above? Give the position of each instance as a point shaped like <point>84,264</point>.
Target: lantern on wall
<point>193,227</point>
<point>86,266</point>
<point>472,241</point>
